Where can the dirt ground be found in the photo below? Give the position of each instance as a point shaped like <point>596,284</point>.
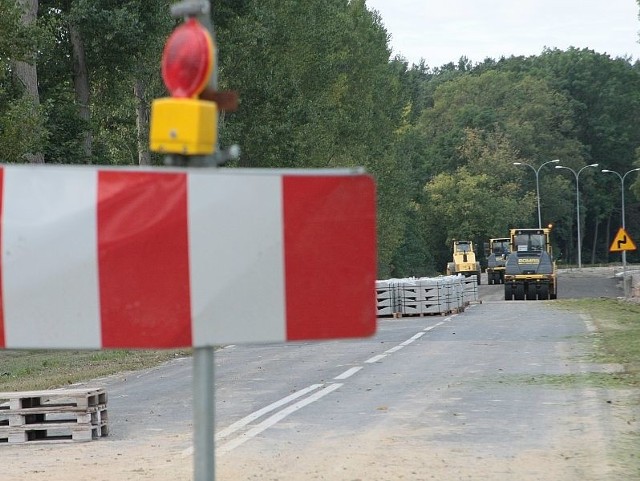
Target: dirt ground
<point>358,458</point>
<point>579,449</point>
<point>158,458</point>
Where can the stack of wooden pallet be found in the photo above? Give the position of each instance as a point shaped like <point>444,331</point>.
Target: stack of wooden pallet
<point>58,415</point>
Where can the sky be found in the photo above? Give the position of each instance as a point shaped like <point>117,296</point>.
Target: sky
<point>442,31</point>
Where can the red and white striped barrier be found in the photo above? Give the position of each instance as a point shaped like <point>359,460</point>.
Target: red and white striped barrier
<point>128,258</point>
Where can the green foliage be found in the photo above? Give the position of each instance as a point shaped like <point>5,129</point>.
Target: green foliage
<point>472,205</point>
<point>17,41</point>
<point>317,90</point>
<point>536,120</point>
<point>22,121</point>
<point>310,75</point>
<point>22,130</point>
<point>605,97</point>
<point>478,125</point>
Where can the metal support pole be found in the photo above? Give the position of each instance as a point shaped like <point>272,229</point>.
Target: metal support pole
<point>578,222</point>
<point>203,414</point>
<point>577,176</point>
<point>624,227</point>
<point>537,172</point>
<point>203,357</point>
<point>624,253</point>
<point>538,197</point>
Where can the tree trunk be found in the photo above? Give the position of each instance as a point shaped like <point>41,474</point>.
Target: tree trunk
<point>142,122</point>
<point>81,87</point>
<point>27,73</point>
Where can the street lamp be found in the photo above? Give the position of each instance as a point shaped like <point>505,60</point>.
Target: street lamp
<point>577,176</point>
<point>622,177</point>
<point>537,171</point>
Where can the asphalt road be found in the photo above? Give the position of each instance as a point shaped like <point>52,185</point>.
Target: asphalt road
<point>484,394</point>
<point>463,382</point>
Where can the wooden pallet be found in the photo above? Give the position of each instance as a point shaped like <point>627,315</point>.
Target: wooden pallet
<point>48,432</point>
<point>59,415</point>
<point>79,398</point>
<point>96,415</point>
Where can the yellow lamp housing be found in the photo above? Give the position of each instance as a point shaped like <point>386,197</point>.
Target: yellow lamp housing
<point>184,126</point>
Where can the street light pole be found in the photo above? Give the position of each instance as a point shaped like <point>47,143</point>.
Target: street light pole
<point>624,253</point>
<point>537,171</point>
<point>577,176</point>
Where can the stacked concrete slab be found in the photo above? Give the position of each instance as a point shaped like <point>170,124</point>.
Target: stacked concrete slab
<point>424,295</point>
<point>388,297</point>
<point>470,289</point>
<point>453,300</point>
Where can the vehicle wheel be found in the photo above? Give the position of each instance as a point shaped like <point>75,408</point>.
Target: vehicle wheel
<point>519,295</point>
<point>508,292</point>
<point>543,294</point>
<point>531,292</point>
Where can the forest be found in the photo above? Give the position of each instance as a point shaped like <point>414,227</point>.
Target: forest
<point>319,88</point>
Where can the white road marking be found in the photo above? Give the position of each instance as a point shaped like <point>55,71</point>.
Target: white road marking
<point>280,415</point>
<point>277,417</point>
<point>348,373</point>
<point>413,338</point>
<point>256,415</point>
<point>261,412</point>
<point>394,349</point>
<point>377,358</point>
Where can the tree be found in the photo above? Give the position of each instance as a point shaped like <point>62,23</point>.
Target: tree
<point>536,119</point>
<point>479,124</point>
<point>111,51</point>
<point>23,130</point>
<point>481,199</point>
<point>317,90</point>
<point>605,95</point>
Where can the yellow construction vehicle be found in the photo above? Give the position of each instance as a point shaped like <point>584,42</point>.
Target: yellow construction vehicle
<point>496,251</point>
<point>464,260</point>
<point>530,271</point>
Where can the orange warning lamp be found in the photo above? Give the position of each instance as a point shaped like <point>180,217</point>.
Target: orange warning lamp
<point>187,59</point>
<point>183,123</point>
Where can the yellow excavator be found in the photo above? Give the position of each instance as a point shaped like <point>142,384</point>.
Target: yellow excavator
<point>464,260</point>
